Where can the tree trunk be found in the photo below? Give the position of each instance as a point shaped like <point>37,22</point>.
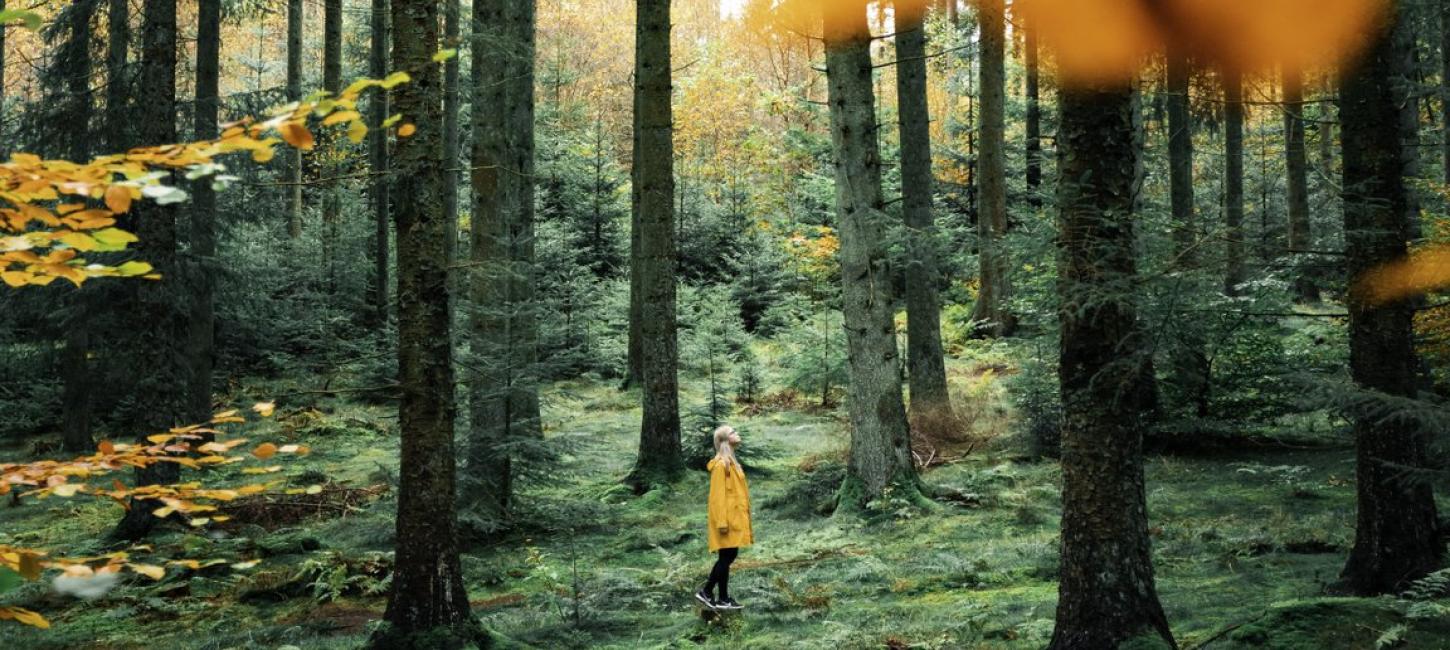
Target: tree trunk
<point>158,357</point>
<point>427,604</point>
<point>880,438</point>
<point>925,364</point>
<point>1190,362</point>
<point>4,143</point>
<point>118,78</point>
<point>1445,87</point>
<point>331,200</point>
<point>378,154</point>
<point>452,15</point>
<point>995,289</point>
<point>1233,194</point>
<point>659,441</point>
<point>203,215</point>
<point>1033,122</point>
<point>1297,162</point>
<point>1396,539</point>
<point>503,396</point>
<point>294,93</point>
<point>632,371</point>
<point>75,61</point>
<point>1106,594</point>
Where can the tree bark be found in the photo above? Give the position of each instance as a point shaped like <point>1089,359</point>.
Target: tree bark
<point>1297,163</point>
<point>926,367</point>
<point>378,155</point>
<point>118,76</point>
<point>294,93</point>
<point>158,356</point>
<point>994,292</point>
<point>203,215</point>
<point>332,83</point>
<point>1396,536</point>
<point>74,59</point>
<point>1033,123</point>
<point>1106,594</point>
<point>452,15</point>
<point>880,438</point>
<point>659,441</point>
<point>1233,195</point>
<point>427,605</point>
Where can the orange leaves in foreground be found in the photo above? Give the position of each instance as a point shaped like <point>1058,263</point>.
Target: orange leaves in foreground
<point>1102,40</point>
<point>89,577</point>
<point>53,210</point>
<point>1423,271</point>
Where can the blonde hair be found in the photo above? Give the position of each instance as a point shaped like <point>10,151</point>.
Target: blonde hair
<point>724,451</point>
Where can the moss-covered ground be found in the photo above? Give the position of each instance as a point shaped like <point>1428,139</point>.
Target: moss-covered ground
<point>1244,544</point>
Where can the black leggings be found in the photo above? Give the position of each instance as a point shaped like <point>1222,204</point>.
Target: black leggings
<point>720,573</point>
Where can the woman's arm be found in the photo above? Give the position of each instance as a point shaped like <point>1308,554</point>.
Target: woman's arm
<point>719,503</point>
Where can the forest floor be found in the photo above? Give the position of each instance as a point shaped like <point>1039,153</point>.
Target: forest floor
<point>1243,545</point>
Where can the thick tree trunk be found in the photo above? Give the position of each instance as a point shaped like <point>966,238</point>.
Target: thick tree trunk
<point>994,285</point>
<point>427,605</point>
<point>659,440</point>
<point>1106,595</point>
<point>158,362</point>
<point>75,370</point>
<point>880,437</point>
<point>1033,124</point>
<point>925,363</point>
<point>294,93</point>
<point>1396,536</point>
<point>202,348</point>
<point>378,156</point>
<point>1233,193</point>
<point>633,366</point>
<point>4,143</point>
<point>1297,162</point>
<point>331,199</point>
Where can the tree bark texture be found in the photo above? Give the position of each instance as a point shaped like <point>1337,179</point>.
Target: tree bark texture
<point>880,438</point>
<point>378,156</point>
<point>202,334</point>
<point>427,605</point>
<point>1296,161</point>
<point>294,93</point>
<point>1396,538</point>
<point>1106,594</point>
<point>1233,193</point>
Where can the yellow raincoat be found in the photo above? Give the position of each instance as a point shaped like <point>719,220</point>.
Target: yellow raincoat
<point>729,511</point>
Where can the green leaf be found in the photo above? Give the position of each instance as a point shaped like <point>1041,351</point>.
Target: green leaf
<point>112,239</point>
<point>395,79</point>
<point>444,55</point>
<point>133,268</point>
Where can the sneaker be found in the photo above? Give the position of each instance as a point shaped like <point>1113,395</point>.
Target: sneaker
<point>705,599</point>
<point>728,603</point>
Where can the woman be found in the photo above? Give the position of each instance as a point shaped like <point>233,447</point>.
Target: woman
<point>728,518</point>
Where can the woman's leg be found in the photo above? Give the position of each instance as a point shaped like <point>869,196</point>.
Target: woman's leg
<point>727,556</point>
<point>720,573</point>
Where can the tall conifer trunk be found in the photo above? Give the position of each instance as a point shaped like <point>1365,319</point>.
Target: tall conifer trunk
<point>1396,537</point>
<point>994,292</point>
<point>880,438</point>
<point>1106,594</point>
<point>1297,163</point>
<point>659,443</point>
<point>1233,194</point>
<point>926,366</point>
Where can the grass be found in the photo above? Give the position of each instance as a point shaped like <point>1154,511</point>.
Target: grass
<point>1243,545</point>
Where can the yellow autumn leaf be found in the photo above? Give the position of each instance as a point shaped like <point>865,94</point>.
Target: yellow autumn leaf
<point>356,131</point>
<point>149,570</point>
<point>22,615</point>
<point>406,130</point>
<point>1423,271</point>
<point>297,135</point>
<point>264,409</point>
